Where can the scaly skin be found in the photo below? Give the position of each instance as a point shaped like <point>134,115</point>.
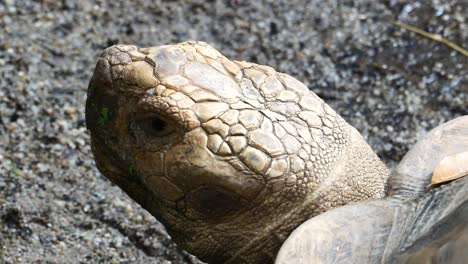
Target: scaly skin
<point>230,156</point>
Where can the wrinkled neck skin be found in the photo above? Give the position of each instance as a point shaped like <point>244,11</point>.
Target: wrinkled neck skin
<point>230,156</point>
<point>352,179</point>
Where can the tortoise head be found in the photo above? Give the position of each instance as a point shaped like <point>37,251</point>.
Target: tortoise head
<point>229,156</point>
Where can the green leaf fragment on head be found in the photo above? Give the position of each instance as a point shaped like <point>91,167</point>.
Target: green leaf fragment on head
<point>131,170</point>
<point>104,116</point>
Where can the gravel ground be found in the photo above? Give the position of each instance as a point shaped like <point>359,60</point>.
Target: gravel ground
<point>55,207</point>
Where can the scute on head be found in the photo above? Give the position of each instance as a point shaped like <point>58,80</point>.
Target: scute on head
<point>219,151</point>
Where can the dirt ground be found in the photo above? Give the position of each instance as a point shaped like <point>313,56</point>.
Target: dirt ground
<point>391,84</point>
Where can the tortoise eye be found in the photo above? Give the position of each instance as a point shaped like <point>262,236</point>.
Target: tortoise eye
<point>155,126</point>
<point>158,125</point>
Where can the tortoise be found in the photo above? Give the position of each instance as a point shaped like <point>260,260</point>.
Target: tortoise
<point>232,157</point>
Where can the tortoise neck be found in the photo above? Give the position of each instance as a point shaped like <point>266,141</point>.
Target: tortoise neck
<point>357,175</point>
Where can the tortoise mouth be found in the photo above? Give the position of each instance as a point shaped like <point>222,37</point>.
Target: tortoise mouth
<point>214,204</point>
<point>194,173</point>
